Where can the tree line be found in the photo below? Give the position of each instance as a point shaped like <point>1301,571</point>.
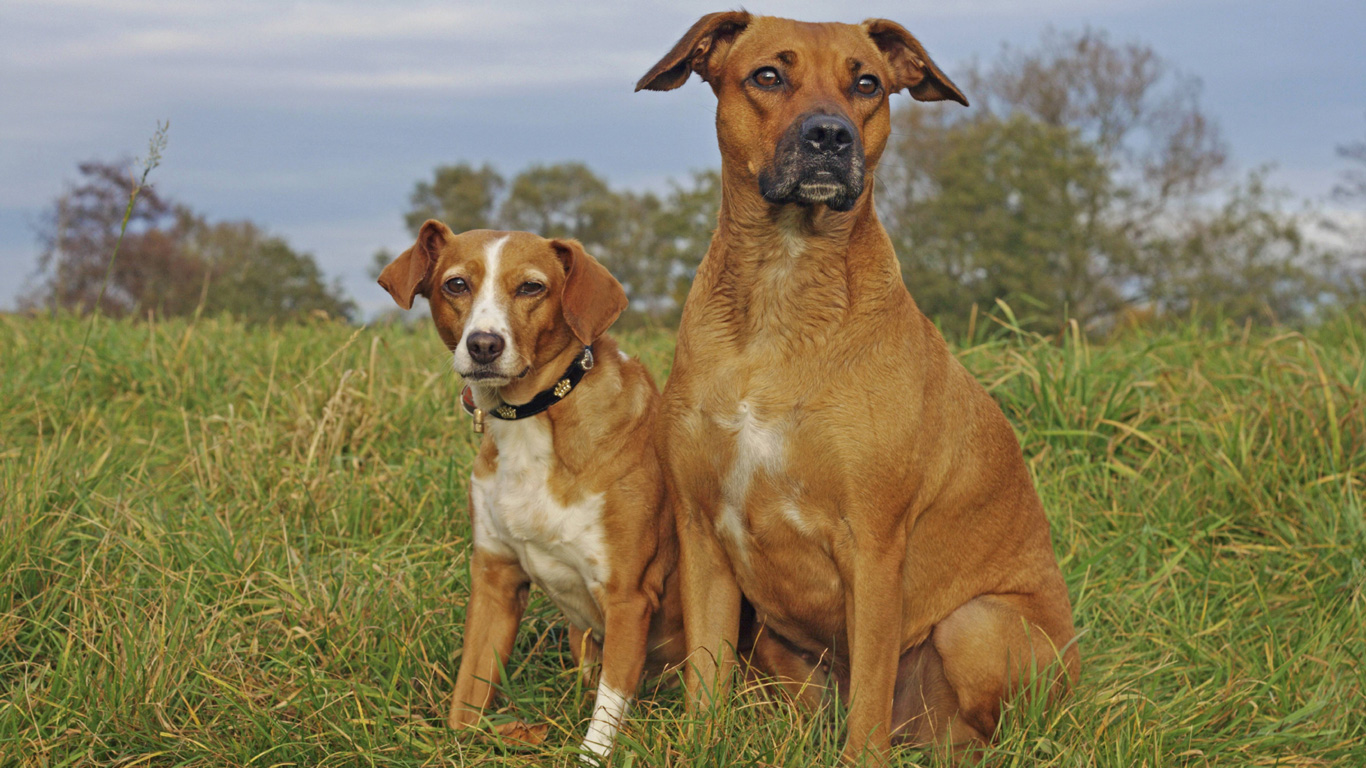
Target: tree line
<point>1085,182</point>
<point>1088,183</point>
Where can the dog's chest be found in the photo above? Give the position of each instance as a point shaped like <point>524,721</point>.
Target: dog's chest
<point>758,453</point>
<point>559,544</point>
<point>759,490</point>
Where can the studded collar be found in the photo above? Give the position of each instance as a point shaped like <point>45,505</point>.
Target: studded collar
<point>543,399</point>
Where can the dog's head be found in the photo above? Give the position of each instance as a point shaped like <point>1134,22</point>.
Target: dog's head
<point>802,107</point>
<point>505,303</point>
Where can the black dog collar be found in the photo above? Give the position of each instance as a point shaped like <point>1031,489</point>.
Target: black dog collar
<point>543,399</point>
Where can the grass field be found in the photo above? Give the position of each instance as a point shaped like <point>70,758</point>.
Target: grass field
<point>227,545</point>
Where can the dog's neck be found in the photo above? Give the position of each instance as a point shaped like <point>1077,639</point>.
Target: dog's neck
<point>581,424</point>
<point>542,377</point>
<point>795,271</point>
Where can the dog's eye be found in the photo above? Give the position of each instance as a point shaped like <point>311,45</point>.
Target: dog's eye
<point>867,85</point>
<point>456,286</point>
<point>530,288</point>
<point>766,78</point>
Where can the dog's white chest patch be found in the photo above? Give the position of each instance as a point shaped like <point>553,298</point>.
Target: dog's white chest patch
<point>760,446</point>
<point>561,547</point>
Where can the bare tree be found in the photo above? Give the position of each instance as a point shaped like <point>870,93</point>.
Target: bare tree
<point>1350,225</point>
<point>1141,113</point>
<point>78,237</point>
<point>172,261</point>
<point>1352,188</point>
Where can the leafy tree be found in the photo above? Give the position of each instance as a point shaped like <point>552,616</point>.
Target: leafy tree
<point>1245,260</point>
<point>563,200</point>
<point>462,196</point>
<point>1007,211</point>
<point>1087,178</point>
<point>255,276</point>
<point>634,249</point>
<point>661,240</point>
<point>173,261</point>
<point>652,243</point>
<point>685,222</point>
<point>1086,182</point>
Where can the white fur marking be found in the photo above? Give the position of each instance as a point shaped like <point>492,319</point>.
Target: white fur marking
<point>794,516</point>
<point>608,712</point>
<point>790,229</point>
<point>758,446</point>
<point>489,313</point>
<point>561,547</point>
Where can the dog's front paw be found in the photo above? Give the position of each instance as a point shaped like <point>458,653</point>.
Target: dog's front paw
<point>594,755</point>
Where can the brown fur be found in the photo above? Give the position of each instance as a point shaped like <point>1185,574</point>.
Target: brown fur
<point>921,565</point>
<point>602,438</point>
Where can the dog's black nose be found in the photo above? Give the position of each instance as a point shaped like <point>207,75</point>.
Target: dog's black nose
<point>484,347</point>
<point>830,134</point>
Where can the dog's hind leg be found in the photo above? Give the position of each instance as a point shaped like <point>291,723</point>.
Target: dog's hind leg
<point>990,649</point>
<point>801,677</point>
<point>925,704</point>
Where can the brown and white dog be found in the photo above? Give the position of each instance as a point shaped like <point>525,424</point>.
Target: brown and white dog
<point>830,458</point>
<point>570,499</point>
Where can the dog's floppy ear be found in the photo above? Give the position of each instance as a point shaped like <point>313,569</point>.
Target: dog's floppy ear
<point>912,68</point>
<point>592,299</point>
<point>407,275</point>
<point>695,51</point>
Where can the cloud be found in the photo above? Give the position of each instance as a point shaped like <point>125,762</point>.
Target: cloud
<point>121,32</point>
<point>129,54</point>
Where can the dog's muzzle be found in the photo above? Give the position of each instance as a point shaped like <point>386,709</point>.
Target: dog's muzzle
<point>486,358</point>
<point>818,160</point>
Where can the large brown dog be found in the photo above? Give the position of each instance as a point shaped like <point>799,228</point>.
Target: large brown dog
<point>831,459</point>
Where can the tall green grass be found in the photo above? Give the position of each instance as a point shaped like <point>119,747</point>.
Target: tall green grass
<point>247,546</point>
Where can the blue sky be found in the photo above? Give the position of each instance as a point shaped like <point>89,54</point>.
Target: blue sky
<point>314,119</point>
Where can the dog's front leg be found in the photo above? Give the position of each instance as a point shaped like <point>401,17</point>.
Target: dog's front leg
<point>498,596</point>
<point>873,607</point>
<point>627,629</point>
<point>711,609</point>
